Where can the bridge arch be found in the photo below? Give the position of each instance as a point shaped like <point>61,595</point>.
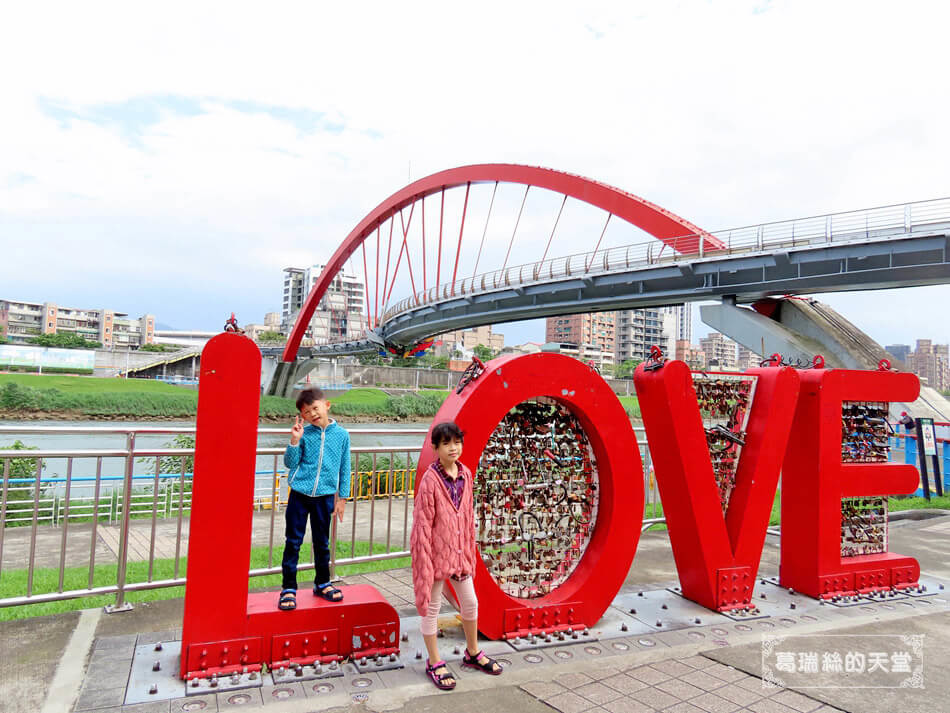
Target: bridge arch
<point>675,232</point>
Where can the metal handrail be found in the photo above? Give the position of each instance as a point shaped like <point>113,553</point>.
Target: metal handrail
<point>46,518</point>
<point>861,225</point>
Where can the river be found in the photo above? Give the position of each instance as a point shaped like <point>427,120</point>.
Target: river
<point>84,469</point>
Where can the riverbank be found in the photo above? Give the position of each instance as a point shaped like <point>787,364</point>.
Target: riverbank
<point>78,398</point>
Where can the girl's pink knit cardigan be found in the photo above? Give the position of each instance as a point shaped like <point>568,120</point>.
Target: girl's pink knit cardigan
<point>443,538</point>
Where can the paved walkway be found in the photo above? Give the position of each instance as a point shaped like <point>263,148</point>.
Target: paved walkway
<point>712,667</point>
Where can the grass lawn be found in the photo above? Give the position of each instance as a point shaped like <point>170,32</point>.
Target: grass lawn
<point>631,405</point>
<point>372,398</point>
<point>13,582</point>
<point>92,384</point>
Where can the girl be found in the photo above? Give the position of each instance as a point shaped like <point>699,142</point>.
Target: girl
<point>443,547</point>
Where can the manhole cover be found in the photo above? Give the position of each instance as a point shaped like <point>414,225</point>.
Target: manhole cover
<point>323,688</point>
<point>620,646</point>
<point>282,693</point>
<point>360,697</point>
<point>533,658</point>
<point>868,609</point>
<point>239,699</point>
<point>766,625</point>
<point>592,650</point>
<point>743,627</point>
<point>194,706</point>
<point>809,617</point>
<point>883,606</point>
<point>697,635</point>
<point>503,662</point>
<point>720,632</point>
<point>646,642</point>
<point>564,654</point>
<point>786,621</point>
<point>362,682</point>
<point>720,642</point>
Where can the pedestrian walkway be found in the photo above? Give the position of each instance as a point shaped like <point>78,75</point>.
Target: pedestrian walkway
<point>681,667</point>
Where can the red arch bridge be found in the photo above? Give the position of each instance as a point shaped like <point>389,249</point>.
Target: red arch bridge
<point>494,243</point>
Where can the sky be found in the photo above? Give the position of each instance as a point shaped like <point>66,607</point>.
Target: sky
<point>173,158</point>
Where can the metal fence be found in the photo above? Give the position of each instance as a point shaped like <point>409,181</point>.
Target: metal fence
<point>75,532</point>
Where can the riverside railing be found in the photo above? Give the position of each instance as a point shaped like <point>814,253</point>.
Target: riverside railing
<point>114,520</point>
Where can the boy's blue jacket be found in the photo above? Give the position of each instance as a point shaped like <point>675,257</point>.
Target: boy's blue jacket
<point>320,463</point>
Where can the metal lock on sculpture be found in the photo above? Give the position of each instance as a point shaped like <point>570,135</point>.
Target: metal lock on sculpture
<point>558,492</point>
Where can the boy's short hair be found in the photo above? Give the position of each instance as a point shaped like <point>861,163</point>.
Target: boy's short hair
<point>446,431</point>
<point>308,396</point>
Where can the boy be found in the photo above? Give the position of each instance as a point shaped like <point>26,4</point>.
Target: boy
<point>318,461</point>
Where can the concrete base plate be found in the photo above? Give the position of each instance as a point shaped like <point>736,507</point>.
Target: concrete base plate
<point>146,683</point>
<point>659,610</point>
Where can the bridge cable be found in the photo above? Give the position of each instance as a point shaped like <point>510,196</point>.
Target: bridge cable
<point>587,266</point>
<point>458,250</point>
<point>366,287</point>
<point>517,222</point>
<point>556,221</point>
<point>484,232</point>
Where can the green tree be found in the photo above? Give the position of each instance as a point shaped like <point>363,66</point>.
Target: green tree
<point>20,492</point>
<point>625,370</point>
<point>63,341</point>
<point>156,348</point>
<point>271,337</point>
<point>482,352</point>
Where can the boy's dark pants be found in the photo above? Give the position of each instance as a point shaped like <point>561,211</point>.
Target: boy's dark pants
<point>320,511</point>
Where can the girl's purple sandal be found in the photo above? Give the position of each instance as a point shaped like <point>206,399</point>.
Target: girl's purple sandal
<point>489,665</point>
<point>439,678</point>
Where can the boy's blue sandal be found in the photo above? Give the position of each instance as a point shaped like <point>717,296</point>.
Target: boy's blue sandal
<point>288,600</point>
<point>330,593</point>
<point>482,663</point>
<point>439,678</point>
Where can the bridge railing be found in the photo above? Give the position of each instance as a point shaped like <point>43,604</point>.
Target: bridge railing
<point>97,522</point>
<point>859,225</point>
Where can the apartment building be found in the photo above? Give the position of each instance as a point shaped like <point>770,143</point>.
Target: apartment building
<point>746,358</point>
<point>930,362</point>
<point>692,355</point>
<point>467,339</point>
<point>595,329</point>
<point>720,351</point>
<point>638,330</point>
<point>21,320</point>
<point>339,316</point>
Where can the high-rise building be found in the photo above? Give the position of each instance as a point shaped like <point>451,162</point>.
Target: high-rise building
<point>720,351</point>
<point>684,322</point>
<point>338,317</point>
<point>640,329</point>
<point>746,358</point>
<point>898,351</point>
<point>931,362</point>
<point>21,320</point>
<point>595,329</point>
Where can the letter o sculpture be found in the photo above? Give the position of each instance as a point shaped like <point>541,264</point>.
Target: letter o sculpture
<point>589,588</point>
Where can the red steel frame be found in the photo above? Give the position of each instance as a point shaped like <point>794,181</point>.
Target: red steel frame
<point>814,480</point>
<point>585,596</point>
<point>674,231</point>
<point>225,629</point>
<point>717,556</point>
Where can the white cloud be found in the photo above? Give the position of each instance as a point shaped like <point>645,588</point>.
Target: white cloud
<point>726,113</point>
